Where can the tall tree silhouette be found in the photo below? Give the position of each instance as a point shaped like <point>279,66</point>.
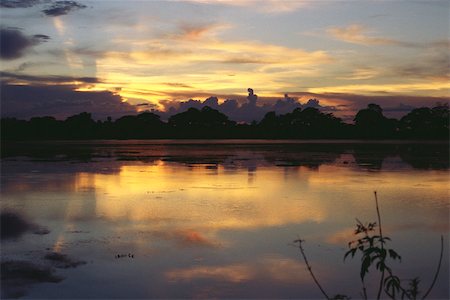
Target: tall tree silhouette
<point>206,122</point>
<point>371,123</point>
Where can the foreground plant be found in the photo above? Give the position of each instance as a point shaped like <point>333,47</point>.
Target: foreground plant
<point>372,246</point>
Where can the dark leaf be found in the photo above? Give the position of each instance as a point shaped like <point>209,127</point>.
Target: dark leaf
<point>394,255</point>
<point>351,251</point>
<point>365,267</point>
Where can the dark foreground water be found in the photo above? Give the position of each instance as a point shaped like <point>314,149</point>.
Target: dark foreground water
<point>183,219</point>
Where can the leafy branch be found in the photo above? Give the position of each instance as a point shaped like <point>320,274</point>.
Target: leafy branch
<point>371,245</point>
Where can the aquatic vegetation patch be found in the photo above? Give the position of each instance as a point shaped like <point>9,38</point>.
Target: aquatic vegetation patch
<point>63,261</point>
<point>17,276</point>
<point>14,225</point>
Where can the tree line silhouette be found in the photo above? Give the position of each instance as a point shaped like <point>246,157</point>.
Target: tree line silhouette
<point>208,123</point>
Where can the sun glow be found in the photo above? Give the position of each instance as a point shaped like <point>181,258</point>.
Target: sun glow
<point>214,67</point>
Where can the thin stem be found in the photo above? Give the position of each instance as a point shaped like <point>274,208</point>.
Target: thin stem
<point>310,269</point>
<point>364,289</point>
<point>438,269</point>
<point>382,244</point>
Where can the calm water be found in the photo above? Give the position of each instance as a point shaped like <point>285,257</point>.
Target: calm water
<point>164,219</point>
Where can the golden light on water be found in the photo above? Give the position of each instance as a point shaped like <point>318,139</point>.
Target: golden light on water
<point>191,196</point>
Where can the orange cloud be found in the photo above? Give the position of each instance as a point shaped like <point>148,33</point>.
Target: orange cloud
<point>187,238</point>
<point>264,6</point>
<point>359,34</point>
<point>277,269</point>
<point>232,273</point>
<point>362,74</point>
<point>342,237</point>
<point>194,32</point>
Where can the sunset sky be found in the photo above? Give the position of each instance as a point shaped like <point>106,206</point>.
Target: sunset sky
<point>118,57</point>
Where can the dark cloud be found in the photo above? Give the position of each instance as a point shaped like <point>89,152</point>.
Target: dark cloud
<point>361,101</point>
<point>41,37</point>
<point>60,101</point>
<point>60,8</point>
<point>47,79</point>
<point>400,108</point>
<point>435,64</point>
<point>34,65</point>
<point>14,43</point>
<point>18,3</point>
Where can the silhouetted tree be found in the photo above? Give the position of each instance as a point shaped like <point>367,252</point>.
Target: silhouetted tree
<point>311,123</point>
<point>426,123</point>
<point>80,126</point>
<point>14,129</point>
<point>269,126</point>
<point>144,125</point>
<point>371,123</point>
<point>206,122</point>
<point>307,123</point>
<point>45,128</point>
<point>206,117</point>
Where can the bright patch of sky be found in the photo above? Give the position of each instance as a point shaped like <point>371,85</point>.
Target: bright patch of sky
<point>150,51</point>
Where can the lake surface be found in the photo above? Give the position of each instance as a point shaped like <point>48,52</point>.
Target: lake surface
<point>201,219</point>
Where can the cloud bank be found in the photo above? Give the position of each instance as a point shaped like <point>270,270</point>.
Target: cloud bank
<point>60,101</point>
<point>56,79</point>
<point>243,110</point>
